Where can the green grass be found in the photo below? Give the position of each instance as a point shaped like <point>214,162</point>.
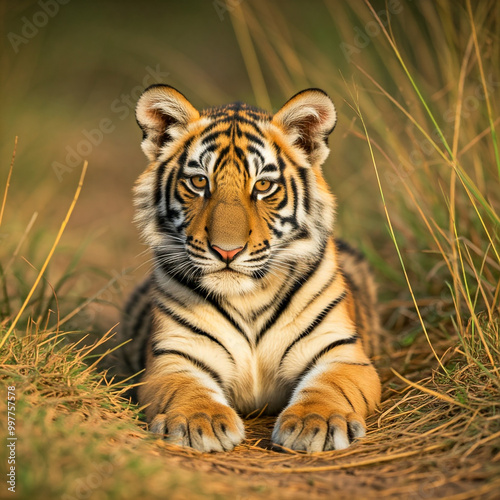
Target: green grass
<point>415,168</point>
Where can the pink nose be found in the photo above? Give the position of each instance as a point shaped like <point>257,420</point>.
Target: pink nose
<point>227,255</point>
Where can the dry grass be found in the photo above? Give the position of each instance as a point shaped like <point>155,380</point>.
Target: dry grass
<point>437,433</point>
<point>434,436</point>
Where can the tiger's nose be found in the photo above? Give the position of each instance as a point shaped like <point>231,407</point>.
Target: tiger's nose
<point>227,255</point>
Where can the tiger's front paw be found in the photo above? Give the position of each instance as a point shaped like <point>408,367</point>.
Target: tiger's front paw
<point>298,429</point>
<point>217,428</point>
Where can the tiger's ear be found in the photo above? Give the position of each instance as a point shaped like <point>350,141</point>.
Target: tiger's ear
<point>162,113</point>
<point>308,118</point>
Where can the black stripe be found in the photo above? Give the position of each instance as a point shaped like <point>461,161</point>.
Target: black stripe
<point>189,326</point>
<point>328,348</point>
<point>344,247</point>
<point>196,255</point>
<point>213,301</point>
<point>361,296</point>
<point>159,175</point>
<point>320,292</point>
<point>290,159</point>
<point>256,114</point>
<point>169,401</point>
<point>209,149</point>
<point>222,164</point>
<point>222,153</point>
<point>289,220</point>
<point>269,168</point>
<point>339,389</point>
<point>214,135</point>
<point>168,193</point>
<point>256,152</point>
<point>277,232</point>
<point>350,284</point>
<point>138,291</point>
<point>295,198</point>
<point>284,202</point>
<point>227,115</point>
<point>316,322</point>
<point>139,319</point>
<point>303,174</point>
<point>239,153</point>
<point>302,234</point>
<point>263,249</point>
<point>159,289</point>
<point>255,127</point>
<point>199,364</point>
<point>186,282</point>
<point>178,196</point>
<point>183,156</point>
<point>285,301</point>
<point>180,227</point>
<point>257,259</point>
<point>363,396</point>
<point>196,247</point>
<point>210,127</point>
<point>274,299</point>
<point>281,162</point>
<point>254,138</point>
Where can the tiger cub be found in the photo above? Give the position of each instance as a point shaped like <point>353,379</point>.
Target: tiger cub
<point>252,303</point>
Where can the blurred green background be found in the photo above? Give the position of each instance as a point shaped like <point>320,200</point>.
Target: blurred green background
<point>68,69</point>
<point>63,74</point>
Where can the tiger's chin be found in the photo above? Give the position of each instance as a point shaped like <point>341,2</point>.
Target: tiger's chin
<point>228,282</point>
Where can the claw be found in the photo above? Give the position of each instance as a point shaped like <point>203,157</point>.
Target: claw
<point>298,430</point>
<point>204,431</point>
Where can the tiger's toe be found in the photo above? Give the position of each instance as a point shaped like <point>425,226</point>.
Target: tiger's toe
<point>314,433</point>
<point>203,431</point>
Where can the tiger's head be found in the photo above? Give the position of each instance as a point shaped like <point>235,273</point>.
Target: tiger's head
<point>233,194</point>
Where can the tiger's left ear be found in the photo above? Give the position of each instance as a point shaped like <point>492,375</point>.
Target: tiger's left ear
<point>308,118</point>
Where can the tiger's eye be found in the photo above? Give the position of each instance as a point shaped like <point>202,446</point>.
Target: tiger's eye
<point>263,186</point>
<point>199,181</point>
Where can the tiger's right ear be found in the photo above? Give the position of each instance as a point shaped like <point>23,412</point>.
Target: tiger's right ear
<point>162,113</point>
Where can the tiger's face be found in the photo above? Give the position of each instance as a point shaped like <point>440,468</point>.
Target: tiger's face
<point>233,195</point>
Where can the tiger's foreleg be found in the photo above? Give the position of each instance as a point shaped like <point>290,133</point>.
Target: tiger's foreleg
<point>189,407</point>
<point>328,407</point>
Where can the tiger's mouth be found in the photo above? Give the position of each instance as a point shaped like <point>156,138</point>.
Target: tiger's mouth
<point>228,271</point>
<point>228,281</point>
